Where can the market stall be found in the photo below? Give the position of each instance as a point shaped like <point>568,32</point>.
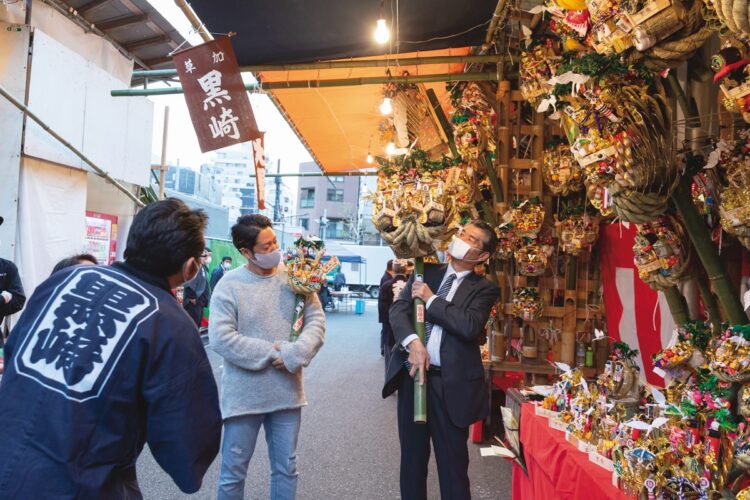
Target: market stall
<point>615,173</point>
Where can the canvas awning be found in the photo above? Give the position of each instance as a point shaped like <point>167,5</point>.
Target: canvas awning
<point>340,124</point>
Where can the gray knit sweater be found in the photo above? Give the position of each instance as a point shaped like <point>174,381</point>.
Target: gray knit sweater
<point>249,313</point>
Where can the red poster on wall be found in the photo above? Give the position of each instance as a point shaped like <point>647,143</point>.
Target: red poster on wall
<point>101,236</point>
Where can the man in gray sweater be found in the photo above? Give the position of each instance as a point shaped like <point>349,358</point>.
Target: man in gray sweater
<point>251,318</point>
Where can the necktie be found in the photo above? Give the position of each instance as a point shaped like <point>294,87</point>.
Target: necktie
<point>442,293</point>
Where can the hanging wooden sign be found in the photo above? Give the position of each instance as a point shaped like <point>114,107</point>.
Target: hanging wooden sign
<point>215,95</point>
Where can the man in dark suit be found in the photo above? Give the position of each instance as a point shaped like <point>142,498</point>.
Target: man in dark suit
<point>388,290</point>
<point>388,274</point>
<point>196,292</point>
<point>218,273</point>
<point>457,396</point>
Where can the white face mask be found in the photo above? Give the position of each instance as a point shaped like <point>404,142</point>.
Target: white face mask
<point>458,248</point>
<point>227,266</point>
<point>268,260</point>
<point>207,261</point>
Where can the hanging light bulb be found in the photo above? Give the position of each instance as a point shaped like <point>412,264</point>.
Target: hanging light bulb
<point>382,33</point>
<point>386,108</point>
<point>390,149</point>
<point>369,158</point>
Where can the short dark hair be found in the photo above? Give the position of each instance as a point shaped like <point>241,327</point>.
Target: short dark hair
<point>245,232</point>
<point>164,235</point>
<point>74,261</point>
<point>389,265</point>
<point>226,258</point>
<point>398,267</point>
<point>490,238</point>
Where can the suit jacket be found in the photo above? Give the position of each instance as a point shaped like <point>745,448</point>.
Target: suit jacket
<point>197,288</point>
<point>10,282</point>
<point>385,300</point>
<point>216,275</point>
<point>463,321</point>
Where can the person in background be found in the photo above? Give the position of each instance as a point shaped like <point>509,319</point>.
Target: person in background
<point>218,273</point>
<point>455,318</point>
<point>388,274</point>
<point>12,296</point>
<point>85,259</point>
<point>409,267</point>
<point>251,317</point>
<point>388,290</point>
<point>339,280</point>
<point>382,318</point>
<point>104,360</point>
<point>196,292</point>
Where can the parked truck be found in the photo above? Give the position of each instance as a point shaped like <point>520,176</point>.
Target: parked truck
<point>362,265</point>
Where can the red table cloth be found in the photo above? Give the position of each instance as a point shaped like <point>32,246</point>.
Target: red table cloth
<point>557,470</point>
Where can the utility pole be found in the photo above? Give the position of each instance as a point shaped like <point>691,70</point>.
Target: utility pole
<point>277,203</point>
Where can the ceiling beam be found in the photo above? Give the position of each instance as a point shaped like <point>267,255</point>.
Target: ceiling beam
<point>72,14</point>
<point>157,61</point>
<point>93,5</point>
<point>146,42</point>
<point>112,24</point>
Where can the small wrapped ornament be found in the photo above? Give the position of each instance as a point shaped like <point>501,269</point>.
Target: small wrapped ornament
<point>693,338</point>
<point>527,304</point>
<point>578,230</point>
<point>530,259</point>
<point>730,359</point>
<point>661,253</point>
<point>561,172</point>
<point>527,218</point>
<point>507,241</point>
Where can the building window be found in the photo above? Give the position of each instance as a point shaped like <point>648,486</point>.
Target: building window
<point>307,199</point>
<point>337,178</point>
<point>335,195</point>
<point>337,229</point>
<point>305,223</point>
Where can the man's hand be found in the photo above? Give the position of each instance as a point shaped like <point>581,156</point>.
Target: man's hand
<point>419,359</point>
<point>193,301</point>
<point>419,289</point>
<point>278,363</point>
<point>6,296</point>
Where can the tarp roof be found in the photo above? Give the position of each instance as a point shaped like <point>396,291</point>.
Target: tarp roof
<point>289,31</point>
<point>340,124</point>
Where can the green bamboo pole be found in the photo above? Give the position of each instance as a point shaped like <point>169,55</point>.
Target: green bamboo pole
<point>420,390</point>
<point>443,120</point>
<point>340,82</point>
<point>696,228</point>
<point>348,64</point>
<point>677,305</point>
<point>709,302</point>
<point>698,233</point>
